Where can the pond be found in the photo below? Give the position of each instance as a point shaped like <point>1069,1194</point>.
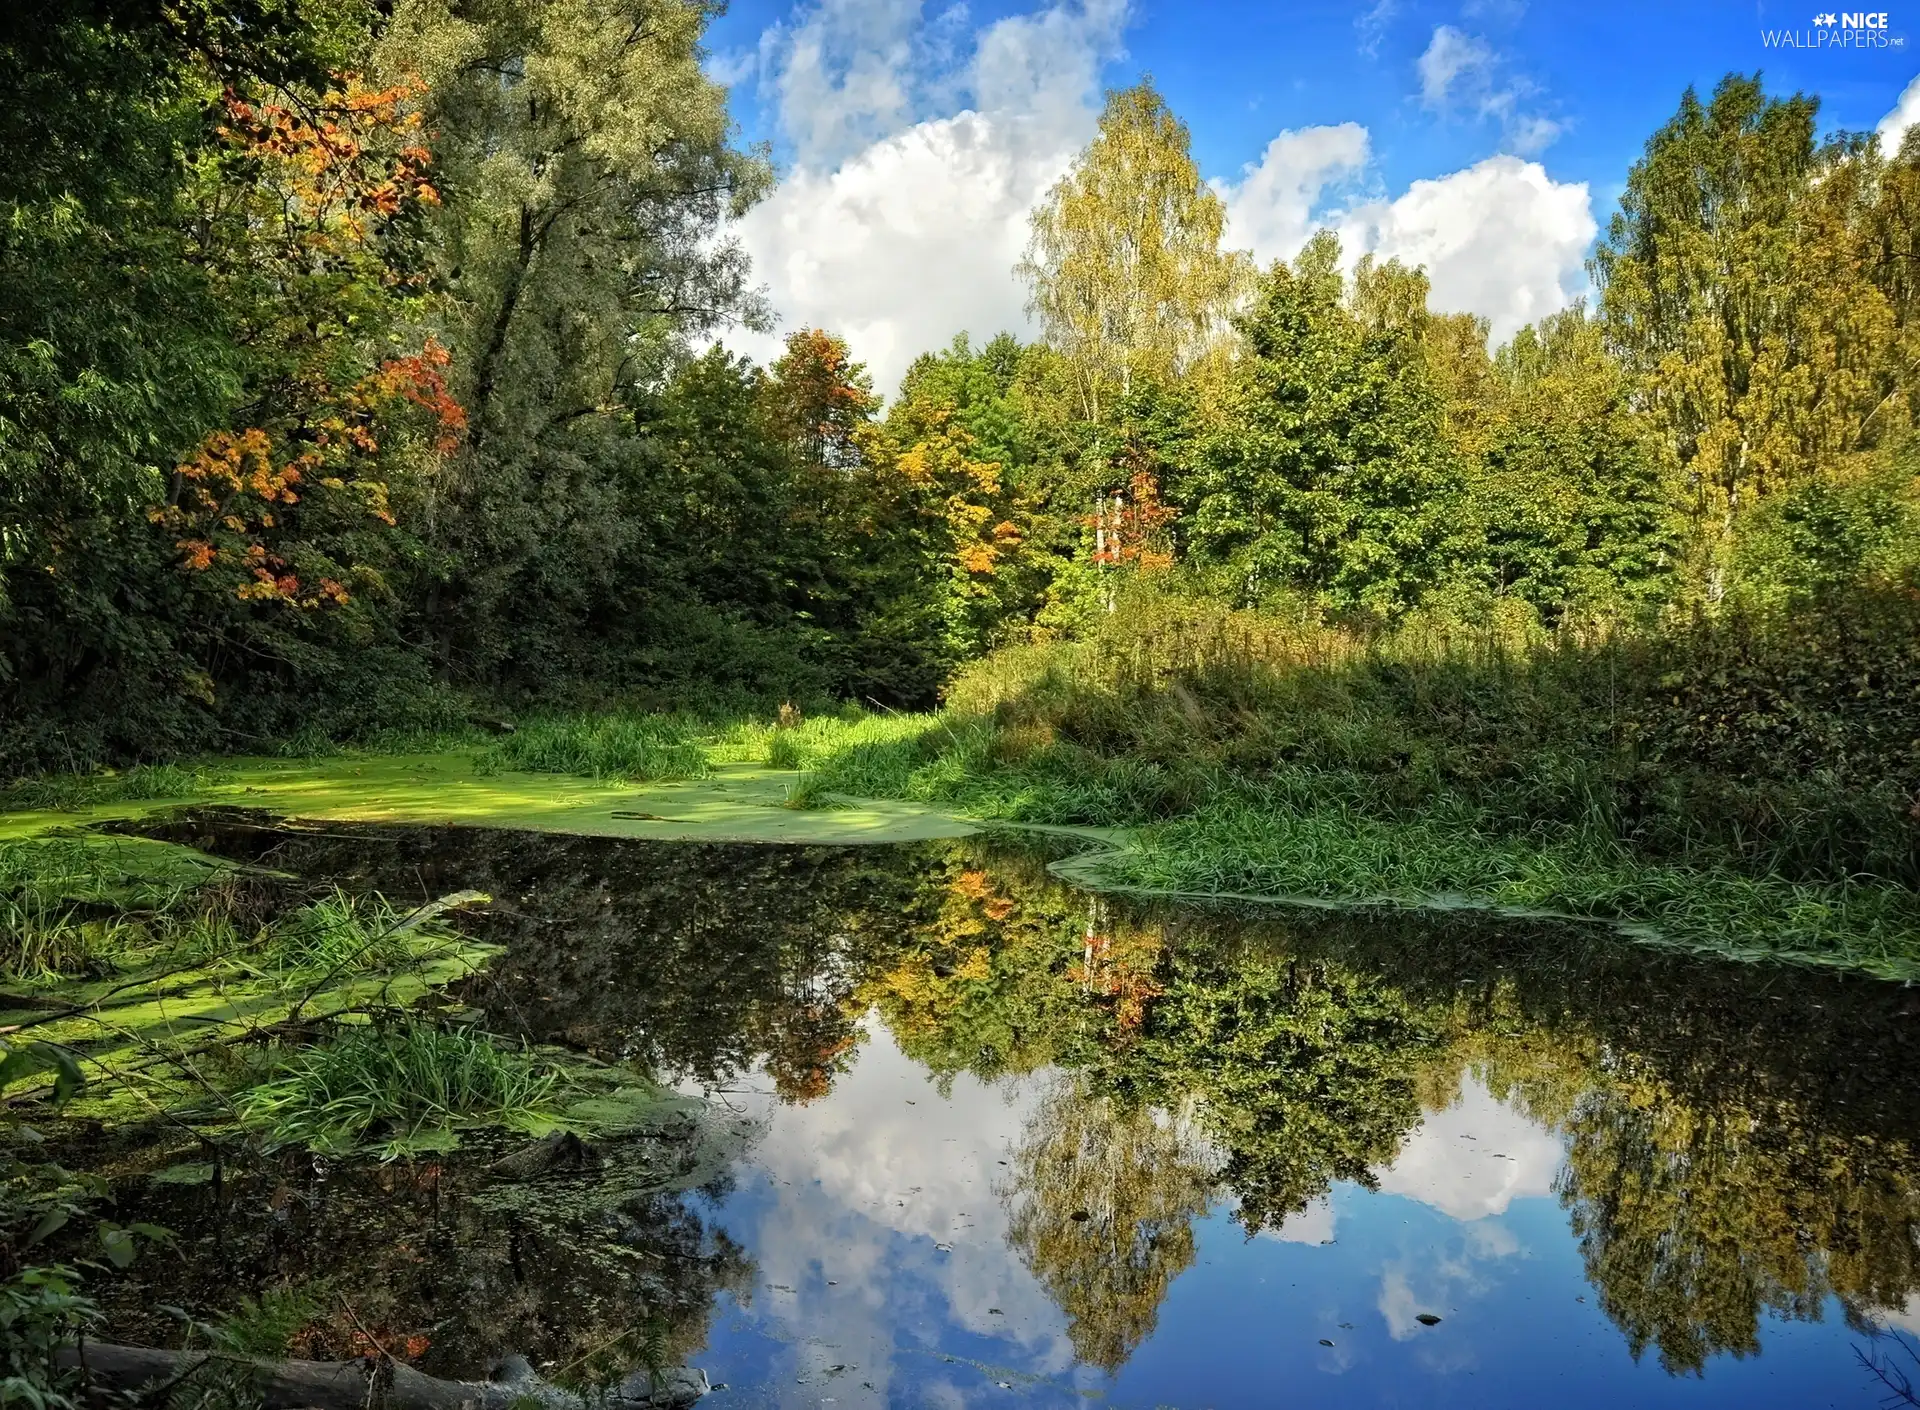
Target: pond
<point>975,1137</point>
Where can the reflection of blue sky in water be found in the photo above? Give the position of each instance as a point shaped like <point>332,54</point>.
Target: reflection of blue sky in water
<point>886,1279</point>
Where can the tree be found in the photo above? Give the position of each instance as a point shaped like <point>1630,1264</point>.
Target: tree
<point>209,360</point>
<point>819,398</point>
<point>1751,279</point>
<point>1573,505</point>
<point>1125,265</point>
<point>1329,472</point>
<point>594,166</point>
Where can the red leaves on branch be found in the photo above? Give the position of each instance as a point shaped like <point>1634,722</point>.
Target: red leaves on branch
<point>1129,525</point>
<point>421,379</point>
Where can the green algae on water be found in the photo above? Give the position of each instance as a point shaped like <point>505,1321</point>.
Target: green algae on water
<point>733,803</point>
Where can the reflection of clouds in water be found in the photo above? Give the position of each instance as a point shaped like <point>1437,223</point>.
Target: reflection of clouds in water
<point>1399,1305</point>
<point>1474,1158</point>
<point>1312,1225</point>
<point>1469,1162</point>
<point>1905,1318</point>
<point>865,1186</point>
<point>1438,1282</point>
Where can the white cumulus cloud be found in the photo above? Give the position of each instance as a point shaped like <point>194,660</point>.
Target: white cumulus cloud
<point>1501,239</point>
<point>902,241</point>
<point>1274,206</point>
<point>1906,112</point>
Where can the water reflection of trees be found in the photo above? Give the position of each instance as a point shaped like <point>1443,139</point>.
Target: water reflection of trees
<point>1694,1221</point>
<point>1101,1205</point>
<point>692,959</point>
<point>1739,1140</point>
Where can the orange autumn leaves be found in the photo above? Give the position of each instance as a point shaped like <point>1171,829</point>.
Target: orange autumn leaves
<point>355,157</point>
<point>309,247</point>
<point>967,492</point>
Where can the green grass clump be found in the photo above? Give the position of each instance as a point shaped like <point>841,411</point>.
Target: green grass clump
<point>642,748</point>
<point>142,783</point>
<point>76,906</point>
<point>399,1089</point>
<point>785,752</point>
<point>47,939</point>
<point>342,935</point>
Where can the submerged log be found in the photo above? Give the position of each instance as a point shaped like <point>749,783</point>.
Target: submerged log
<point>374,1383</point>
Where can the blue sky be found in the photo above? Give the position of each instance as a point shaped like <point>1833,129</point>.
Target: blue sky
<point>1487,139</point>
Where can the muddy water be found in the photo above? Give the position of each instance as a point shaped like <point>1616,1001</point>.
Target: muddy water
<point>981,1138</point>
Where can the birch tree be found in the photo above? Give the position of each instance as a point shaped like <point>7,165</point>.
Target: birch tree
<point>1125,265</point>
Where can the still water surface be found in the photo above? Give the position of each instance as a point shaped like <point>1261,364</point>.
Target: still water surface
<point>992,1140</point>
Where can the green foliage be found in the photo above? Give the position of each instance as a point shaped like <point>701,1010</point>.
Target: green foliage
<point>586,230</point>
<point>75,907</point>
<point>1329,473</point>
<point>1806,545</point>
<point>1756,278</point>
<point>1125,265</point>
<point>143,782</point>
<point>265,1326</point>
<point>341,935</point>
<point>43,1306</point>
<point>1573,509</point>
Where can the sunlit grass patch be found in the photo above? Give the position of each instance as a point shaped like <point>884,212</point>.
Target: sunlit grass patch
<point>77,906</point>
<point>341,934</point>
<point>142,783</point>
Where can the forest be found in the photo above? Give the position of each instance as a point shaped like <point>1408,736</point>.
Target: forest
<point>359,386</point>
<point>385,514</point>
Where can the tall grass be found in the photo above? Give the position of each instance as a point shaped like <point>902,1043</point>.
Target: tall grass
<point>142,783</point>
<point>71,907</point>
<point>1771,746</point>
<point>341,935</point>
<point>397,1088</point>
<point>1242,845</point>
<point>47,939</point>
<point>1743,786</point>
<point>641,748</point>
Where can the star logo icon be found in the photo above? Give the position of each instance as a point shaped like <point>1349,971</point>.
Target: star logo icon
<point>1825,19</point>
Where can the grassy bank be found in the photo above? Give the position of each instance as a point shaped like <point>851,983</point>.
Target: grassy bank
<point>1742,787</point>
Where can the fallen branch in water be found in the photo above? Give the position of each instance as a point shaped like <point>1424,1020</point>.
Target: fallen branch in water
<point>377,1383</point>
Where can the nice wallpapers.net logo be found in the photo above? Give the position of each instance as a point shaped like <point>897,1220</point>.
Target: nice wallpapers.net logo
<point>1845,29</point>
